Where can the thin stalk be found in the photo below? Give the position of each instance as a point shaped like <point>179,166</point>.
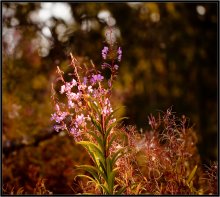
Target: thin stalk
<point>106,152</point>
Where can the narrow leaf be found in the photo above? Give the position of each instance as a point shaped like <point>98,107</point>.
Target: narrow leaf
<point>105,189</point>
<point>103,168</point>
<point>95,150</point>
<point>121,190</point>
<point>90,169</point>
<point>98,139</point>
<point>117,155</point>
<point>138,189</point>
<point>94,106</point>
<point>109,166</point>
<point>109,128</point>
<point>191,175</point>
<point>88,177</point>
<point>96,124</point>
<point>110,142</point>
<point>95,172</point>
<point>90,153</point>
<point>111,179</point>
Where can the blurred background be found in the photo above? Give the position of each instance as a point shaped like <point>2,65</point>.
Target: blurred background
<point>169,60</point>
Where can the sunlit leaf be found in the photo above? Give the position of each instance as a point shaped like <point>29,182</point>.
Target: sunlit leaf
<point>191,175</point>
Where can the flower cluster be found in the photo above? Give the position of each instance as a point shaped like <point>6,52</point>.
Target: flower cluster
<point>58,116</point>
<point>160,161</point>
<point>96,78</point>
<point>113,66</point>
<point>75,116</point>
<point>68,86</point>
<point>107,107</point>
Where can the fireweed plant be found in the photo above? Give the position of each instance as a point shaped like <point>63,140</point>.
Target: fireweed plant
<point>125,161</point>
<point>89,118</point>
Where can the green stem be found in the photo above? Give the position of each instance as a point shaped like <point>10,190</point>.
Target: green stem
<point>105,151</point>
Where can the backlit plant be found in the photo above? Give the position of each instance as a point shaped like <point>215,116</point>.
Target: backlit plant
<point>89,118</point>
<point>163,160</point>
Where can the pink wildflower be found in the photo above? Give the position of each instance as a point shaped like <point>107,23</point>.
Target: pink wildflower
<point>58,117</point>
<point>80,120</point>
<point>57,128</point>
<point>96,78</point>
<point>119,54</point>
<point>104,52</point>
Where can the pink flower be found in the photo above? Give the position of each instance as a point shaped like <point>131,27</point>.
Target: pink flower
<point>119,54</point>
<point>62,89</point>
<point>68,86</point>
<point>96,78</point>
<point>57,128</point>
<point>82,87</point>
<point>58,117</point>
<point>57,107</point>
<point>85,80</point>
<point>70,104</point>
<point>73,96</point>
<point>107,110</point>
<point>109,83</point>
<point>104,52</point>
<point>76,133</point>
<point>80,119</point>
<point>116,67</point>
<point>74,82</point>
<point>90,90</point>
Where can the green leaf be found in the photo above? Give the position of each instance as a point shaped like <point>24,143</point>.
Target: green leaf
<point>103,168</point>
<point>109,166</point>
<point>90,169</point>
<point>108,131</point>
<point>191,175</point>
<point>110,142</point>
<point>91,154</point>
<point>96,124</point>
<point>109,128</point>
<point>98,139</point>
<point>95,172</point>
<point>111,179</point>
<point>111,114</point>
<point>110,174</point>
<point>119,153</point>
<point>97,155</point>
<point>105,189</point>
<point>94,150</point>
<point>121,190</point>
<point>120,119</point>
<point>94,106</point>
<point>88,177</point>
